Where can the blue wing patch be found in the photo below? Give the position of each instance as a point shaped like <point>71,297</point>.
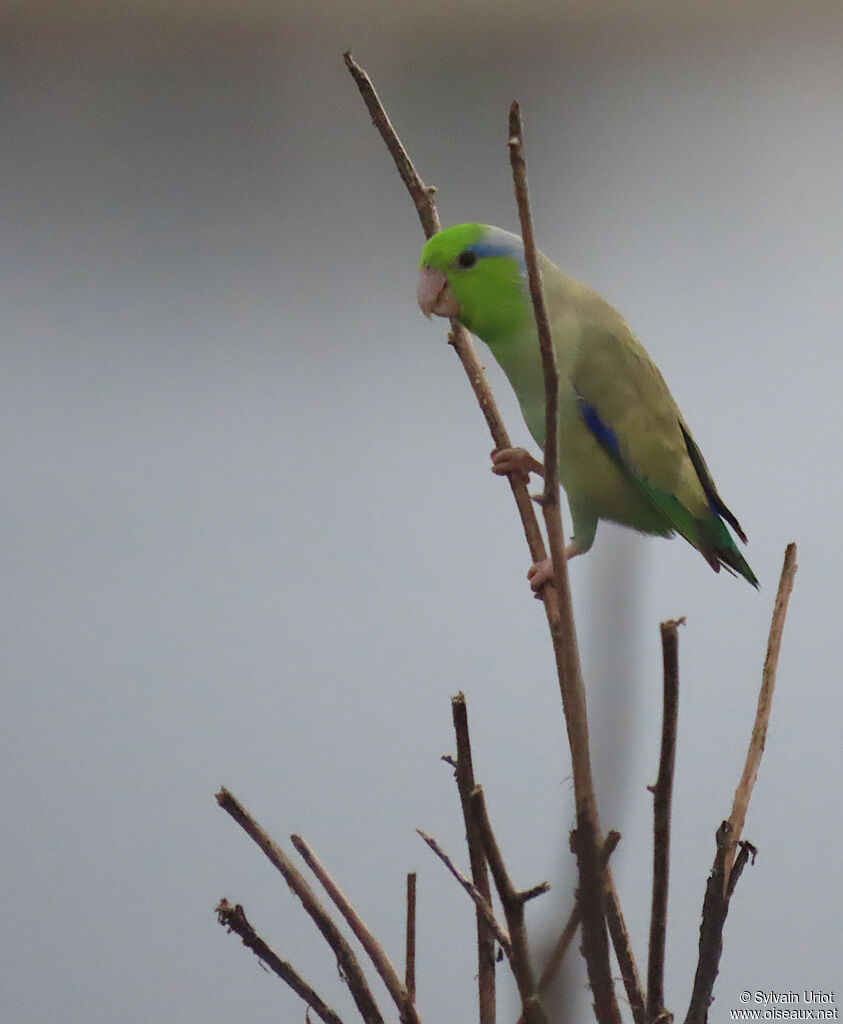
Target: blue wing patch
<point>604,434</point>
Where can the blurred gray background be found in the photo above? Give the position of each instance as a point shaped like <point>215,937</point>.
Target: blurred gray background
<point>250,536</point>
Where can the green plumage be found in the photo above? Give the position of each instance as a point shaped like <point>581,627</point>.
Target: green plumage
<point>625,453</point>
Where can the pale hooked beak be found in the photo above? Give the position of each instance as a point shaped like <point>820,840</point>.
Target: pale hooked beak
<point>434,294</point>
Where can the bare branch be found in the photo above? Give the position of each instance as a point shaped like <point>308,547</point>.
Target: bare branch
<point>550,497</point>
<point>662,797</point>
<point>410,955</point>
<point>513,907</point>
<point>733,853</point>
<point>715,908</point>
<point>347,961</point>
<point>623,951</point>
<point>746,852</point>
<point>421,194</point>
<point>765,703</point>
<point>458,337</point>
<point>557,954</point>
<point>375,951</point>
<point>586,841</point>
<point>559,614</point>
<point>484,906</point>
<point>464,772</point>
<point>718,892</point>
<point>525,895</point>
<point>233,918</point>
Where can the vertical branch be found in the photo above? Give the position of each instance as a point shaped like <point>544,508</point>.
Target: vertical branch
<point>512,902</point>
<point>586,840</point>
<point>718,892</point>
<point>560,948</point>
<point>715,907</point>
<point>765,704</point>
<point>479,874</point>
<point>662,796</point>
<point>410,957</point>
<point>550,497</point>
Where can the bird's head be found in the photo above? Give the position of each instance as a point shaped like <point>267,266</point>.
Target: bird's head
<point>477,274</point>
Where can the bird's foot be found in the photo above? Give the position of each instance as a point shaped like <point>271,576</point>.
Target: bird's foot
<point>517,461</point>
<point>542,572</point>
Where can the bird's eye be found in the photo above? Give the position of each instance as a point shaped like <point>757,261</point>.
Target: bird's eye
<point>467,259</point>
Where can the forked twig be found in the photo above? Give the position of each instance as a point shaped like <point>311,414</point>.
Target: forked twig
<point>374,950</point>
<point>513,902</point>
<point>732,852</point>
<point>233,918</point>
<point>560,948</point>
<point>347,961</point>
<point>718,892</point>
<point>618,933</point>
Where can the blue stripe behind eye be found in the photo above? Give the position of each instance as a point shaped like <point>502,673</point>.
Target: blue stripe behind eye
<point>605,435</point>
<point>483,249</point>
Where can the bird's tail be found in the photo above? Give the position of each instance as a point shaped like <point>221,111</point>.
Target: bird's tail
<point>718,548</point>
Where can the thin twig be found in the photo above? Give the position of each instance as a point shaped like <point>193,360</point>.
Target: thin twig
<point>550,496</point>
<point>622,946</point>
<point>513,907</point>
<point>233,918</point>
<point>765,703</point>
<point>746,852</point>
<point>458,337</point>
<point>410,949</point>
<point>420,193</point>
<point>347,961</point>
<point>732,852</point>
<point>587,840</point>
<point>374,950</point>
<point>484,906</point>
<point>464,773</point>
<point>662,796</point>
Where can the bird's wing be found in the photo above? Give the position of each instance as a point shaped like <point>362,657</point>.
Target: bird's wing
<point>628,408</point>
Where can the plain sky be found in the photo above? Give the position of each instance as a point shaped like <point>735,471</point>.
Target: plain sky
<point>250,536</point>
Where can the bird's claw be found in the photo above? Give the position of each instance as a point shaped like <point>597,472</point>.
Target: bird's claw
<point>516,461</point>
<point>539,574</point>
<point>542,572</point>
